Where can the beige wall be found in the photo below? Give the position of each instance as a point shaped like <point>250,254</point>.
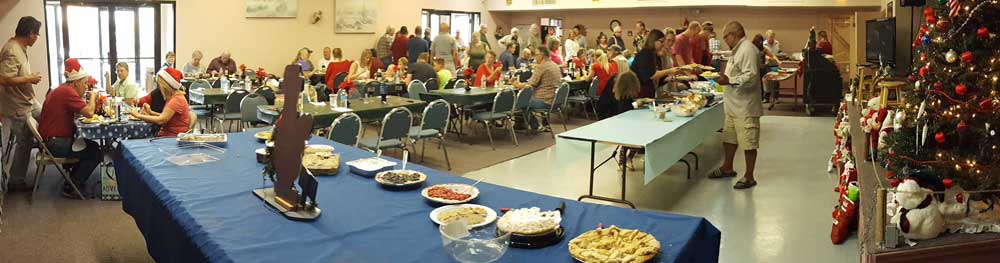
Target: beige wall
<point>501,5</point>
<point>212,26</point>
<point>10,12</point>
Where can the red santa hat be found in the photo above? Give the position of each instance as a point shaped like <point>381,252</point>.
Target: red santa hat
<point>172,76</point>
<point>91,81</point>
<point>74,71</point>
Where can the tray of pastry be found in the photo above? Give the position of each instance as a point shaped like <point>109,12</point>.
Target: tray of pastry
<point>216,139</point>
<point>614,244</point>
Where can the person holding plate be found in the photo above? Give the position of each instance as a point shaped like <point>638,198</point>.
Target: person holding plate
<point>57,128</point>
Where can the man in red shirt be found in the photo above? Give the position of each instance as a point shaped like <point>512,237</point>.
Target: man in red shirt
<point>686,44</point>
<point>57,128</point>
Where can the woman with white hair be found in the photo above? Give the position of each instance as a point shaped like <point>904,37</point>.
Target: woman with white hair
<point>772,44</point>
<point>175,118</point>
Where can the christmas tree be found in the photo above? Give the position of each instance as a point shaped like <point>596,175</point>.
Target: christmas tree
<point>947,120</point>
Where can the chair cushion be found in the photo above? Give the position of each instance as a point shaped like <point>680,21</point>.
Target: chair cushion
<point>417,133</point>
<point>371,142</point>
<point>488,116</point>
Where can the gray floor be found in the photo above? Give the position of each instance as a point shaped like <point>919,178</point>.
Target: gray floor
<point>786,218</point>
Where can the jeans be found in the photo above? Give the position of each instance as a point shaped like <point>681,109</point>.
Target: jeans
<point>90,157</point>
<point>536,104</point>
<point>23,140</point>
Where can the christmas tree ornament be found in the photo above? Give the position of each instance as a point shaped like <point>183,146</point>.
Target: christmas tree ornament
<point>986,104</point>
<point>926,40</point>
<point>983,32</point>
<point>955,6</point>
<point>938,86</point>
<point>928,12</point>
<point>920,111</point>
<point>961,127</point>
<point>923,136</point>
<point>931,20</point>
<point>947,182</point>
<point>897,122</point>
<point>923,57</point>
<point>967,57</point>
<point>960,89</point>
<point>895,181</point>
<point>942,25</point>
<point>951,56</point>
<point>924,71</point>
<point>939,137</point>
<point>916,84</point>
<point>923,30</point>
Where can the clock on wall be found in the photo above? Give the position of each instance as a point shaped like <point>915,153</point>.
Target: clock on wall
<point>614,23</point>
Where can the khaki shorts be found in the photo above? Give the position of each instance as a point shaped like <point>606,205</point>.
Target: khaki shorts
<point>742,131</point>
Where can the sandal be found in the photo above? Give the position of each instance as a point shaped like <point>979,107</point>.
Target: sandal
<point>744,184</point>
<point>720,174</point>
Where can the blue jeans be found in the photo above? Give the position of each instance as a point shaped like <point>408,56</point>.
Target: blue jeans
<point>536,104</point>
<point>90,157</point>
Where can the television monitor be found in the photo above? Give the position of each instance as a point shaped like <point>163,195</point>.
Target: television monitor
<point>880,45</point>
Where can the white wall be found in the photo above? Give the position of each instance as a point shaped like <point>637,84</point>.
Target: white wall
<point>10,12</point>
<point>501,5</point>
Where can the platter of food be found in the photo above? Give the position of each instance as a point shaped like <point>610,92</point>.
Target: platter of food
<point>263,136</point>
<point>216,139</point>
<point>315,148</point>
<point>94,119</point>
<point>684,109</point>
<point>369,167</point>
<point>697,66</point>
<point>450,194</point>
<point>473,215</point>
<point>614,244</point>
<point>321,160</point>
<point>400,179</point>
<point>531,227</point>
<point>710,75</point>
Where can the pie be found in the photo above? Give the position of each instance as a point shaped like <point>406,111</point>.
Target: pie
<point>321,162</point>
<point>529,221</point>
<point>614,245</point>
<point>471,215</point>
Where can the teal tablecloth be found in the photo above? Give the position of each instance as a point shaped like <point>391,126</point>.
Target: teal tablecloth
<point>665,142</point>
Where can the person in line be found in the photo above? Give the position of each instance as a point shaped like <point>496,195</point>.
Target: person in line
<point>706,34</point>
<point>743,105</point>
<point>617,39</point>
<point>421,70</point>
<point>194,68</point>
<point>571,47</point>
<point>714,46</point>
<point>416,44</point>
<point>602,42</point>
<point>489,71</point>
<point>400,67</point>
<point>581,36</point>
<point>602,69</point>
<point>512,39</point>
<point>444,46</point>
<point>427,37</point>
<point>698,44</point>
<point>768,62</point>
<point>323,62</point>
<point>648,65</point>
<point>443,74</point>
<point>57,128</point>
<point>222,65</point>
<point>17,96</point>
<point>124,87</point>
<point>640,35</point>
<point>824,45</point>
<point>545,79</point>
<point>171,60</point>
<point>666,54</point>
<point>484,32</point>
<point>507,57</point>
<point>772,44</point>
<point>526,58</point>
<point>535,41</point>
<point>302,59</point>
<point>360,69</point>
<point>175,117</point>
<point>398,47</point>
<point>476,52</point>
<point>685,46</point>
<point>383,47</point>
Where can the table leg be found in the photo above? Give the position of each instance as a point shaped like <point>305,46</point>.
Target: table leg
<point>593,169</point>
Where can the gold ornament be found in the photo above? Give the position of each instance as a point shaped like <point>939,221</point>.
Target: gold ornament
<point>951,56</point>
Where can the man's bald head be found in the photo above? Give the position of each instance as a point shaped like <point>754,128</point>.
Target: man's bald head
<point>734,28</point>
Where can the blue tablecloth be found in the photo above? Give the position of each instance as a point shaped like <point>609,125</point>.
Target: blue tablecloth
<point>115,131</point>
<point>207,212</point>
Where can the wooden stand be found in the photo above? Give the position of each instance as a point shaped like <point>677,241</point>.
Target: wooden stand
<point>889,94</point>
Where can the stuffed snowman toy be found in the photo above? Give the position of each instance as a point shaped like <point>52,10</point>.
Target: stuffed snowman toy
<point>918,217</point>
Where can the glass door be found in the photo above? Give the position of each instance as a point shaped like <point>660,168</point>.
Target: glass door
<point>87,28</point>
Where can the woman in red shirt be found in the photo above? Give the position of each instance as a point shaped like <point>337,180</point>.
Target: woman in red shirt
<point>338,65</point>
<point>602,70</point>
<point>490,70</point>
<point>174,119</point>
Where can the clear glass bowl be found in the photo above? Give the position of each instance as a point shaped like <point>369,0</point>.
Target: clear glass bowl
<point>481,246</point>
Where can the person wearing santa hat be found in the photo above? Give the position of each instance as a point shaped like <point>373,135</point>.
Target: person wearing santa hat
<point>57,127</point>
<point>174,118</point>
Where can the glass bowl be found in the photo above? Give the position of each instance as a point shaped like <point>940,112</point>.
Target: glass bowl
<point>481,246</point>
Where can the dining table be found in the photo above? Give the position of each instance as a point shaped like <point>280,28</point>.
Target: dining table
<point>369,109</point>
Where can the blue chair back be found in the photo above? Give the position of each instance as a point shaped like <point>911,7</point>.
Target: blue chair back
<point>503,102</point>
<point>436,116</point>
<point>396,124</point>
<point>432,84</point>
<point>248,107</point>
<point>346,129</point>
<point>233,101</point>
<point>524,98</point>
<point>592,90</point>
<point>454,84</point>
<point>338,79</point>
<point>415,89</point>
<point>562,95</point>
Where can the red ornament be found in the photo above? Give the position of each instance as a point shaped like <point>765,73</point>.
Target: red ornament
<point>962,127</point>
<point>923,30</point>
<point>960,89</point>
<point>938,86</point>
<point>947,183</point>
<point>983,32</point>
<point>967,56</point>
<point>924,71</point>
<point>912,78</point>
<point>986,104</point>
<point>931,20</point>
<point>960,198</point>
<point>939,137</point>
<point>923,56</point>
<point>928,11</point>
<point>894,182</point>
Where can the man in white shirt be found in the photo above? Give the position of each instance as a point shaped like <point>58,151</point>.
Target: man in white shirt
<point>571,47</point>
<point>771,43</point>
<point>325,61</point>
<point>743,106</point>
<point>444,46</point>
<point>615,52</point>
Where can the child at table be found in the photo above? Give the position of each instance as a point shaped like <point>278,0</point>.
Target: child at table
<point>443,74</point>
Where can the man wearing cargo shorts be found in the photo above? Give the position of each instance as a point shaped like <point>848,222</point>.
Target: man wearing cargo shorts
<point>743,105</point>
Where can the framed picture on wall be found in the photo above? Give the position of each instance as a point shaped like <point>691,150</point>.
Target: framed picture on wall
<point>272,8</point>
<point>355,16</point>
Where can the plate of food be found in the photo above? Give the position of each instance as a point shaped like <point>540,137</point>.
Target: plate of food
<point>450,194</point>
<point>400,179</point>
<point>321,162</point>
<point>369,167</point>
<point>614,244</point>
<point>473,215</point>
<point>263,136</point>
<point>217,139</point>
<point>93,119</point>
<point>710,75</point>
<point>531,227</point>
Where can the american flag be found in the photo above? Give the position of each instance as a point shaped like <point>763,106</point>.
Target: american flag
<point>955,6</point>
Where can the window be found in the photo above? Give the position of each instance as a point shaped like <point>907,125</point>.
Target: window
<point>102,34</point>
<point>464,23</point>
